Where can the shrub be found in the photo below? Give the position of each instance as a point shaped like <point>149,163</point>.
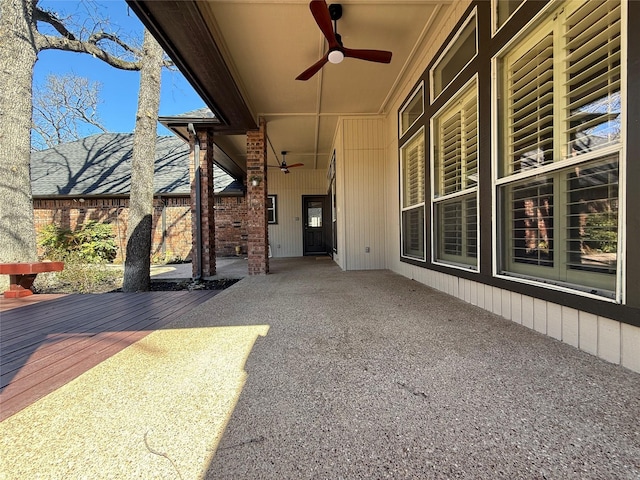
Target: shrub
<point>79,276</point>
<point>92,242</point>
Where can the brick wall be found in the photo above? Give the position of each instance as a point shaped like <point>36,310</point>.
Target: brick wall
<point>231,225</point>
<point>175,212</point>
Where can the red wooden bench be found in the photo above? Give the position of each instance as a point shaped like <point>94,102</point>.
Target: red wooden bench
<point>22,275</point>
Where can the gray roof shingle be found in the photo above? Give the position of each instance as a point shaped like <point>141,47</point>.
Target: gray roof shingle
<point>101,165</point>
<point>200,113</point>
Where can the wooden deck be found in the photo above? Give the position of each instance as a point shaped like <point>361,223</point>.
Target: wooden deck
<point>46,341</point>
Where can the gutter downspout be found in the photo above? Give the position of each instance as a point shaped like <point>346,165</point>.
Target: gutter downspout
<point>196,169</point>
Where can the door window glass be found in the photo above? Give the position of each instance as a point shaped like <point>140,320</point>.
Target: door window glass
<point>314,214</point>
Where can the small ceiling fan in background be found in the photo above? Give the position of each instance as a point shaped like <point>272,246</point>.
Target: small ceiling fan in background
<point>283,166</point>
<point>324,15</point>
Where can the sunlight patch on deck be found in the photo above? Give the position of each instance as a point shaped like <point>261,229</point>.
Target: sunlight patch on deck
<point>176,386</point>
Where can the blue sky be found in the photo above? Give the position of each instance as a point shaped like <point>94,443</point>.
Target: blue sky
<point>119,92</point>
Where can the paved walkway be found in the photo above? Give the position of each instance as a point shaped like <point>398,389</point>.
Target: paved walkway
<point>312,372</point>
<point>226,267</point>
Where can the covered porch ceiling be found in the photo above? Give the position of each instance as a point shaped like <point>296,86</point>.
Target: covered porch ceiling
<point>243,57</point>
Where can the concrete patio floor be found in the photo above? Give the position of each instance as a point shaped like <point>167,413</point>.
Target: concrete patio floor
<point>311,372</point>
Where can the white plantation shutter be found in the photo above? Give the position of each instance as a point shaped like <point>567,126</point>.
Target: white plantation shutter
<point>592,50</point>
<point>413,232</point>
<point>413,184</point>
<point>471,219</point>
<point>592,237</point>
<point>530,108</point>
<point>459,230</point>
<point>413,171</point>
<point>561,95</point>
<point>457,146</point>
<point>451,144</point>
<point>531,236</point>
<point>457,227</point>
<point>451,227</point>
<point>470,132</point>
<point>456,179</point>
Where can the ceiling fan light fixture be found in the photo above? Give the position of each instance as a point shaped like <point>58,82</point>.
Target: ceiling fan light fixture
<point>336,56</point>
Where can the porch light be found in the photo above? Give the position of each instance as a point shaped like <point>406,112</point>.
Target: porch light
<point>336,56</point>
<point>255,180</point>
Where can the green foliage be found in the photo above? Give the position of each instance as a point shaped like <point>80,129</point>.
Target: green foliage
<point>92,242</point>
<point>79,276</point>
<point>601,232</point>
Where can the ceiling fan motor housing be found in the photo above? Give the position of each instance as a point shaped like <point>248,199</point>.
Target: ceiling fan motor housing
<point>335,10</point>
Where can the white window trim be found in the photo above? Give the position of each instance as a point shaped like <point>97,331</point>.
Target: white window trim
<point>274,200</point>
<point>408,141</point>
<point>404,106</point>
<point>494,17</point>
<point>559,165</point>
<point>560,287</point>
<point>470,17</point>
<point>424,233</point>
<point>526,30</point>
<point>435,200</point>
<point>622,163</point>
<point>496,182</point>
<point>455,265</point>
<point>403,209</point>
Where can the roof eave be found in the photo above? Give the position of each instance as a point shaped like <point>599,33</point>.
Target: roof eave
<point>181,30</point>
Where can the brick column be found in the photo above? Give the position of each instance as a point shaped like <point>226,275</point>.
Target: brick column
<point>257,226</point>
<point>206,235</point>
<point>208,212</point>
<point>195,233</point>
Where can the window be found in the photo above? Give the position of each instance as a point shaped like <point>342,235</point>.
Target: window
<point>561,140</point>
<point>502,10</point>
<point>455,154</point>
<point>456,56</point>
<point>334,204</point>
<point>412,165</point>
<point>564,226</point>
<point>272,216</point>
<point>412,110</point>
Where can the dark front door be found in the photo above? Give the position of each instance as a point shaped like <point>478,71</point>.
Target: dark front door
<point>315,213</point>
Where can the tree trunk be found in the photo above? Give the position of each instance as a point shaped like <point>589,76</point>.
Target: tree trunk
<point>17,58</point>
<point>137,265</point>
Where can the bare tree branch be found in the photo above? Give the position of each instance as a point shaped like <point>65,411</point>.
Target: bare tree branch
<point>51,18</point>
<point>48,42</point>
<point>99,36</point>
<point>96,43</point>
<point>63,109</point>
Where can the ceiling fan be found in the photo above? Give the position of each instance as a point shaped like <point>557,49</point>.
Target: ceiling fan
<point>324,15</point>
<point>283,166</point>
